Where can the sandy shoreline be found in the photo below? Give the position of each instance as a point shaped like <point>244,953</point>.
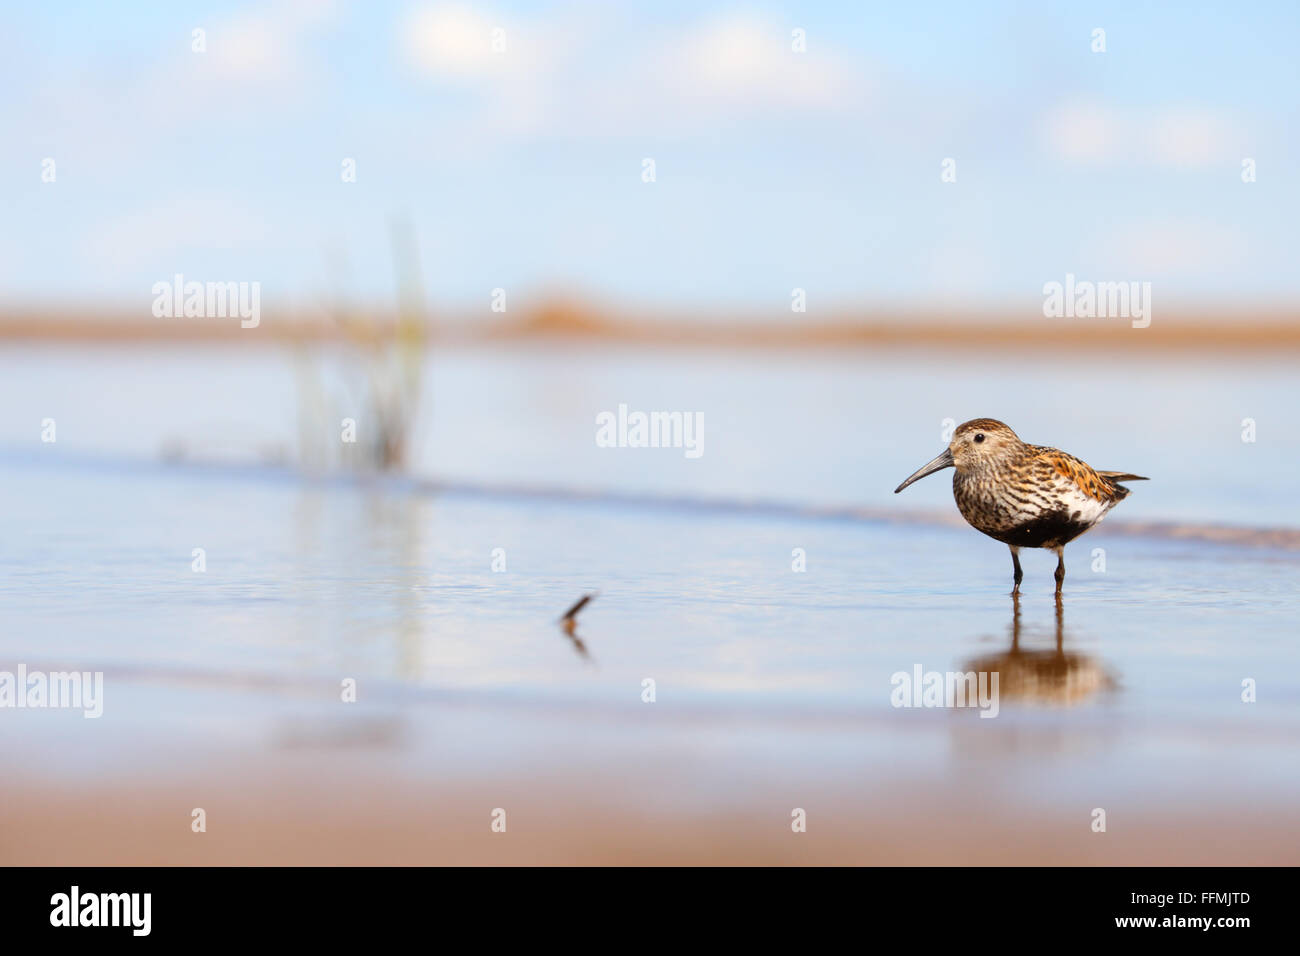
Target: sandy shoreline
<point>323,816</point>
<point>1184,332</point>
<point>418,784</point>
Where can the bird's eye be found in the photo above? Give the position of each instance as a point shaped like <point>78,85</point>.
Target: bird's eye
<point>978,439</point>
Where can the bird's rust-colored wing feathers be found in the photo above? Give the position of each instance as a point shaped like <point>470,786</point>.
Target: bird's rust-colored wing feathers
<point>1098,486</point>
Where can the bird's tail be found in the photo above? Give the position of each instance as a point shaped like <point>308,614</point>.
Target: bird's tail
<point>1121,476</point>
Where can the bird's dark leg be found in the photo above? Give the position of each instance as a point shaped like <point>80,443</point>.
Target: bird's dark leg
<point>1060,568</point>
<point>1015,563</point>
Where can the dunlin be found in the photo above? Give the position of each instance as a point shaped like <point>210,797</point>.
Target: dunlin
<point>1026,496</point>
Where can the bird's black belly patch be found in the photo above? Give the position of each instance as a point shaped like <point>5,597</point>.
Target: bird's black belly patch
<point>1049,530</point>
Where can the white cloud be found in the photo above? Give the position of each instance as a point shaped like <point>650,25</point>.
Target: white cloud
<point>250,47</point>
<point>1189,247</point>
<point>744,60</point>
<point>556,75</point>
<point>521,87</point>
<point>449,41</point>
<point>1188,137</point>
<point>1082,133</point>
<point>266,49</point>
<point>191,222</point>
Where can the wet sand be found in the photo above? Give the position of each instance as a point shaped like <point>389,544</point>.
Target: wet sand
<point>287,775</point>
<point>314,812</point>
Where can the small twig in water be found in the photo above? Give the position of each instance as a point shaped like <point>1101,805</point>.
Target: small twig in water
<point>569,619</point>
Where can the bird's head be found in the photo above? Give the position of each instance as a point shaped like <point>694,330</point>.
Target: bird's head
<point>975,445</point>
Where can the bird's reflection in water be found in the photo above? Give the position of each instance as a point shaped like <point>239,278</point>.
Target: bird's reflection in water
<point>570,628</point>
<point>1041,675</point>
<point>569,625</point>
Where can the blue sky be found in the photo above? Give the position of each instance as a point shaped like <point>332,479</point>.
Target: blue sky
<point>775,170</point>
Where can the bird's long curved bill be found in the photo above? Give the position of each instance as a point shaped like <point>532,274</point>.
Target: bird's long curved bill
<point>929,468</point>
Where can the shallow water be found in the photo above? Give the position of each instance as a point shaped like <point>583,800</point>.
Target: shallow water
<point>812,427</point>
<point>762,674</point>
